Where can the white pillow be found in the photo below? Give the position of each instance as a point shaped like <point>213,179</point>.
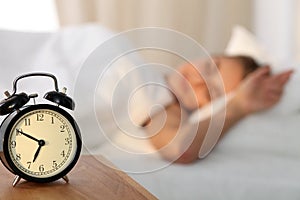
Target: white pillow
<point>243,42</point>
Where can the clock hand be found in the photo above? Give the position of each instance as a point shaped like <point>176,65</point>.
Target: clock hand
<point>41,143</point>
<point>37,153</point>
<point>29,136</point>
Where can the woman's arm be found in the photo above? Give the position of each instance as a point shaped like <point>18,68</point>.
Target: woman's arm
<point>180,141</point>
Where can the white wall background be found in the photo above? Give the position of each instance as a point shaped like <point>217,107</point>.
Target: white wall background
<point>28,15</point>
<point>276,24</point>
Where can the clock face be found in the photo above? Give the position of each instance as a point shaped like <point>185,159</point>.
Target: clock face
<point>42,143</point>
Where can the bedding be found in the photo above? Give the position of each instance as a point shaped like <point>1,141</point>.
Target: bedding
<point>62,53</point>
<point>257,159</point>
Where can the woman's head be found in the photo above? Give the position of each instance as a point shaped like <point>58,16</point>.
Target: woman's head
<point>197,79</point>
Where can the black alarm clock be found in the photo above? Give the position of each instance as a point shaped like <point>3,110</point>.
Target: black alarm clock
<point>39,142</point>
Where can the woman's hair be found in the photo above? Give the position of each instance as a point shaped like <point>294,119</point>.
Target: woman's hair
<point>248,62</point>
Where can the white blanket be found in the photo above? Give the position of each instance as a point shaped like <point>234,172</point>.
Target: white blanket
<point>257,159</point>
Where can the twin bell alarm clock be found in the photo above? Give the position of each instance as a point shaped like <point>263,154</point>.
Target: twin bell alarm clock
<point>39,142</point>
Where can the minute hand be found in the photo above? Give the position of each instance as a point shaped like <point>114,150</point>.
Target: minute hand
<point>29,136</point>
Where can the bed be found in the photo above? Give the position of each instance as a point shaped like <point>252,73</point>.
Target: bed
<point>257,159</point>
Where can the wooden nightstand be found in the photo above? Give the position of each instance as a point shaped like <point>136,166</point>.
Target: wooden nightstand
<point>90,179</point>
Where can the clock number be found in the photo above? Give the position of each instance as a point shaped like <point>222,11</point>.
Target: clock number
<point>27,122</point>
<point>29,164</point>
<point>52,120</point>
<point>18,157</point>
<point>63,153</point>
<point>41,168</point>
<point>54,165</point>
<point>62,128</point>
<point>13,144</point>
<point>68,140</point>
<point>39,117</point>
<point>18,132</point>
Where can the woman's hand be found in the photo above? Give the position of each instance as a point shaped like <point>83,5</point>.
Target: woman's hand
<point>260,90</point>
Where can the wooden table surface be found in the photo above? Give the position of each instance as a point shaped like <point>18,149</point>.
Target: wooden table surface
<point>89,179</point>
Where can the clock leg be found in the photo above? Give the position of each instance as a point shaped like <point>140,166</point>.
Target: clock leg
<point>66,178</point>
<point>16,180</point>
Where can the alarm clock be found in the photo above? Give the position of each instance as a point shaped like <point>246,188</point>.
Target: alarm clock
<point>39,142</point>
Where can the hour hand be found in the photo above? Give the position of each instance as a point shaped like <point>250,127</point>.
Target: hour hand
<point>37,153</point>
<point>41,143</point>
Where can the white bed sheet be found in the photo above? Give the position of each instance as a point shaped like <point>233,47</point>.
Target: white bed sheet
<point>258,159</point>
<point>60,53</point>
